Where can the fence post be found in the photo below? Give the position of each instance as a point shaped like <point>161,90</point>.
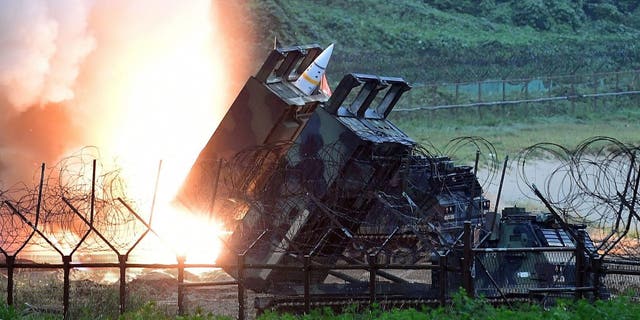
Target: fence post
<point>595,92</point>
<point>549,108</point>
<point>635,86</point>
<point>307,284</point>
<point>504,96</point>
<point>479,100</point>
<point>66,266</point>
<point>241,313</point>
<point>443,279</point>
<point>596,266</point>
<point>181,260</point>
<point>573,93</point>
<point>10,260</point>
<point>526,96</point>
<point>372,279</point>
<point>467,260</point>
<point>616,99</point>
<point>580,269</point>
<point>122,260</point>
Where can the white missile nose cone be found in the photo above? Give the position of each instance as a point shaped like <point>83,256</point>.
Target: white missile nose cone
<point>323,59</point>
<point>309,80</point>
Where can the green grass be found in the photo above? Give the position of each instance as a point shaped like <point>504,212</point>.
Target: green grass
<point>422,42</point>
<point>462,307</point>
<point>479,309</point>
<point>148,311</point>
<point>513,129</point>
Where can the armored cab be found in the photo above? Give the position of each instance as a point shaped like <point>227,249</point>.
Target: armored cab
<point>549,262</point>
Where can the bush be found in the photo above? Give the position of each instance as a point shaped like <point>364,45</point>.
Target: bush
<point>603,11</point>
<point>531,13</point>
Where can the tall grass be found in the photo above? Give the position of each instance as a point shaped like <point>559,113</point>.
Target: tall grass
<point>465,308</point>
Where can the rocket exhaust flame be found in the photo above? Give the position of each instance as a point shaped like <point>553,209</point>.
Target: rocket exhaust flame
<point>150,87</point>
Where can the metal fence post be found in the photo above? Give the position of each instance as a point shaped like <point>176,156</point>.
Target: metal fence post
<point>573,93</point>
<point>526,96</point>
<point>595,92</point>
<point>241,313</point>
<point>181,260</point>
<point>478,108</point>
<point>596,266</point>
<point>66,266</point>
<point>467,260</point>
<point>307,284</point>
<point>635,81</point>
<point>443,279</point>
<point>504,95</point>
<point>122,260</point>
<point>580,269</point>
<point>372,279</point>
<point>10,260</point>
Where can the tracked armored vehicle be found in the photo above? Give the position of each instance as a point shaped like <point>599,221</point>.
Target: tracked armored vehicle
<point>316,186</point>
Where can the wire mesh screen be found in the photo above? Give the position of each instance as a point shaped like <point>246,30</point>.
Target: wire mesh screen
<point>502,273</point>
<point>622,278</point>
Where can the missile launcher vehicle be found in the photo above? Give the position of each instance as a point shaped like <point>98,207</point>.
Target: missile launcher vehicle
<point>309,181</point>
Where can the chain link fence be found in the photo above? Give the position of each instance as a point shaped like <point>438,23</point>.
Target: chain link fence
<point>562,92</point>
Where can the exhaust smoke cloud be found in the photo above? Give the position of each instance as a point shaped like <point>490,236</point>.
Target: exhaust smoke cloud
<point>141,80</point>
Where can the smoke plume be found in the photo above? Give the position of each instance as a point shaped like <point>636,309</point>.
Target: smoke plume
<point>114,74</point>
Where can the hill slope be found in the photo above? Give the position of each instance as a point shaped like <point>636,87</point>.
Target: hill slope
<point>447,40</point>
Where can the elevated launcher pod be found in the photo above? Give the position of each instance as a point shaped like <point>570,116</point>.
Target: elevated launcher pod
<point>341,156</point>
<point>268,109</point>
<point>296,175</point>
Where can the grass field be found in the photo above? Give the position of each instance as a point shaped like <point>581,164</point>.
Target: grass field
<point>422,41</point>
<point>515,129</point>
<point>462,308</point>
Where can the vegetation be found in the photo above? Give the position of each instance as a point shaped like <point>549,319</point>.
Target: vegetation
<point>463,307</point>
<point>512,130</point>
<point>452,40</point>
<point>436,41</point>
<point>466,308</point>
<point>148,311</point>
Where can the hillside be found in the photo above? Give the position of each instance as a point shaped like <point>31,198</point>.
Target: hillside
<point>447,40</point>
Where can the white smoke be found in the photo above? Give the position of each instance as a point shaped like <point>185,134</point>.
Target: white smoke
<point>42,44</point>
<point>111,73</point>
